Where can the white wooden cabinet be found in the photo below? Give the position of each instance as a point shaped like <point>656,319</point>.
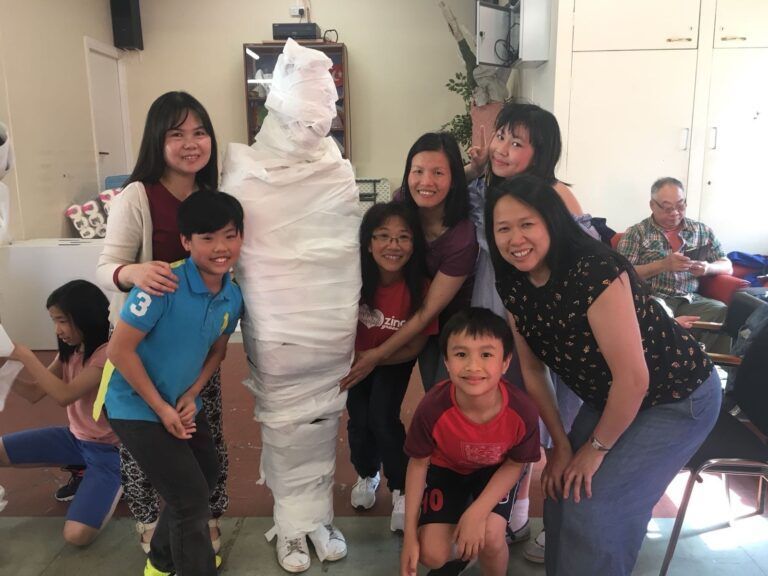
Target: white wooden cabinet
<point>734,199</point>
<point>741,24</point>
<point>630,115</point>
<point>633,107</point>
<point>629,25</point>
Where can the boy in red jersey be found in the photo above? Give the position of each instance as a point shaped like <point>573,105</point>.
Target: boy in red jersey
<point>469,441</point>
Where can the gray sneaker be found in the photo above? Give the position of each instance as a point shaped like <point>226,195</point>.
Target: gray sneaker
<point>363,494</point>
<point>520,535</point>
<point>397,520</point>
<point>534,550</point>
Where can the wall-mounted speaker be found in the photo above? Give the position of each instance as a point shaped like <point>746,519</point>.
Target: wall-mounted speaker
<point>126,24</point>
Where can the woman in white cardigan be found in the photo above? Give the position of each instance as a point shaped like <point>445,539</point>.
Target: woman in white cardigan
<point>177,157</point>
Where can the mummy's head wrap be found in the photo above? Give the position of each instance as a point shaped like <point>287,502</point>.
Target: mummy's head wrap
<point>301,102</point>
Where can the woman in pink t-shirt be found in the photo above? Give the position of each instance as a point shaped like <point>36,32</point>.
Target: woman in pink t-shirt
<point>394,284</point>
<point>80,315</point>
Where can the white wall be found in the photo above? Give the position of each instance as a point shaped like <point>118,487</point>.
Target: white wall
<point>401,54</point>
<point>44,101</point>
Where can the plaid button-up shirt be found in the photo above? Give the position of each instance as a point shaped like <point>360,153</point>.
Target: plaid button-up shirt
<point>645,242</point>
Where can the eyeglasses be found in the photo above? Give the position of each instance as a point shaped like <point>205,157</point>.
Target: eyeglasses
<point>667,209</point>
<point>402,240</point>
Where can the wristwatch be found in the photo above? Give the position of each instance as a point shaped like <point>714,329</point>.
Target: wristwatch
<point>597,445</point>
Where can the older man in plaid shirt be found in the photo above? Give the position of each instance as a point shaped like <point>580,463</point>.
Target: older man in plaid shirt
<point>672,252</point>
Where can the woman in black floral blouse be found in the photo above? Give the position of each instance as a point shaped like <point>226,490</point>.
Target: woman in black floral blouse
<point>650,394</point>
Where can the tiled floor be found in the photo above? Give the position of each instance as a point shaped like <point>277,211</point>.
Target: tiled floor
<point>30,527</point>
<point>33,547</point>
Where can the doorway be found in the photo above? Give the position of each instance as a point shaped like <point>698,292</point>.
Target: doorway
<point>109,110</point>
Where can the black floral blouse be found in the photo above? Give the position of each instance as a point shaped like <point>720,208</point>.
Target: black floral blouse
<point>553,320</point>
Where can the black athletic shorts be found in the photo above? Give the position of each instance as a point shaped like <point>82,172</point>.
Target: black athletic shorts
<point>448,494</point>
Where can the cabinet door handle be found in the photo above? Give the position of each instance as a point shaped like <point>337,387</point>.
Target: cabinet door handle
<point>729,38</point>
<point>679,39</point>
<point>103,153</point>
<point>684,133</point>
<point>713,138</point>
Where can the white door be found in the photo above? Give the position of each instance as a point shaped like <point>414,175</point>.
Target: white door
<point>630,119</point>
<point>108,110</point>
<point>624,25</point>
<point>734,199</point>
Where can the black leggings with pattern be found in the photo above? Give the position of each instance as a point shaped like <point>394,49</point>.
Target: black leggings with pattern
<point>142,498</point>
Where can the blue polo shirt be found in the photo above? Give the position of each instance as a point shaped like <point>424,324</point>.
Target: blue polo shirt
<point>180,329</point>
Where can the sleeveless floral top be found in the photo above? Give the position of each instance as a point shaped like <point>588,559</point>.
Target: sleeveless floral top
<point>553,320</point>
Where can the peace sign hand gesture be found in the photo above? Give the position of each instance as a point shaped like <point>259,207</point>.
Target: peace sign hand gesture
<point>478,156</point>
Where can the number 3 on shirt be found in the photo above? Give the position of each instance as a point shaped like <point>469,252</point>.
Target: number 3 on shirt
<point>140,307</point>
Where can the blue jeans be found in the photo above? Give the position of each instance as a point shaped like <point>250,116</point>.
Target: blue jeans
<point>603,535</point>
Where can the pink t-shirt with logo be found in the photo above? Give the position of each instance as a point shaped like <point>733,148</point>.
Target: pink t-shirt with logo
<point>81,422</point>
<point>391,309</point>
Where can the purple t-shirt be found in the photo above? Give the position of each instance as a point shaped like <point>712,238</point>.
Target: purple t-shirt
<point>454,254</point>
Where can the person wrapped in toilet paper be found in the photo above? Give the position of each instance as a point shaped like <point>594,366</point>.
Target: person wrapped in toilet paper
<point>300,277</point>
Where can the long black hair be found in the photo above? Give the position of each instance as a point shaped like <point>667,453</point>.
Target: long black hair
<point>457,201</point>
<point>170,111</point>
<point>567,240</point>
<point>543,134</point>
<point>414,271</point>
<point>87,309</point>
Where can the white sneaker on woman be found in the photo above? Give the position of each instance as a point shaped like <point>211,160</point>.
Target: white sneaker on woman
<point>363,495</point>
<point>292,553</point>
<point>397,520</point>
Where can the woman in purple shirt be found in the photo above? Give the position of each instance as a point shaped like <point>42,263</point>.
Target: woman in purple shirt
<point>434,185</point>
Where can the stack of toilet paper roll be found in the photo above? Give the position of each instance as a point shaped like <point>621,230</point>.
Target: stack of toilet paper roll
<point>88,219</point>
<point>107,197</point>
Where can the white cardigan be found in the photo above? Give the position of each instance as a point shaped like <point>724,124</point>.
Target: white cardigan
<point>128,241</point>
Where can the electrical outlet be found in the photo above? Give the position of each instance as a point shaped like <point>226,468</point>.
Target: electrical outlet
<point>296,11</point>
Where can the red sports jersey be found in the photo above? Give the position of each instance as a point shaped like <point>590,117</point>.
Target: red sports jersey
<point>391,309</point>
<point>440,430</point>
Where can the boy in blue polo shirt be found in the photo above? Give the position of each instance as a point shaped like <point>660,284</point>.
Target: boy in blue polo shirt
<point>164,349</point>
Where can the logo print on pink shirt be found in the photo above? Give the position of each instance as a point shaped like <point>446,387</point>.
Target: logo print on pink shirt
<point>370,318</point>
<point>485,454</point>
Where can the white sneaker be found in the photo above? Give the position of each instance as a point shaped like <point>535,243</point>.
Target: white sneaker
<point>292,553</point>
<point>397,520</point>
<point>534,550</point>
<point>364,492</point>
<point>329,543</point>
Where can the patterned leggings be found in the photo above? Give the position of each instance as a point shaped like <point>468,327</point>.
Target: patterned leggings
<point>142,498</point>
